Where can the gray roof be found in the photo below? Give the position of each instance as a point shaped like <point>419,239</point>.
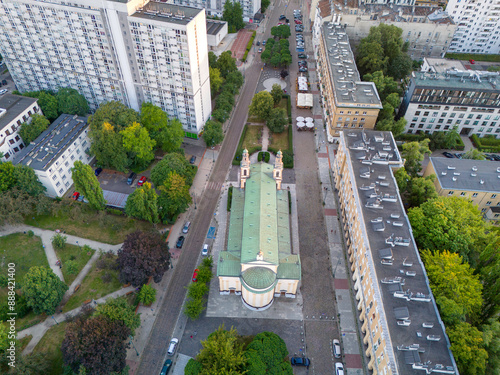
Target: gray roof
<point>15,105</point>
<point>214,27</point>
<point>169,13</point>
<point>467,175</point>
<point>48,147</point>
<point>459,79</point>
<point>349,91</point>
<point>395,299</point>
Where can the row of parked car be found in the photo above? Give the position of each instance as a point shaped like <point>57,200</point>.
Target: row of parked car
<point>460,155</point>
<point>306,362</point>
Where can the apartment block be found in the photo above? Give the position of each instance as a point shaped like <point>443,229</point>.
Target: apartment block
<point>400,323</point>
<point>132,51</point>
<point>445,95</point>
<point>14,111</point>
<point>478,26</point>
<point>216,7</point>
<point>54,152</point>
<point>475,180</point>
<point>347,101</point>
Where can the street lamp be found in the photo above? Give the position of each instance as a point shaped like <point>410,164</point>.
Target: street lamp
<point>131,342</point>
<point>194,198</point>
<point>54,319</point>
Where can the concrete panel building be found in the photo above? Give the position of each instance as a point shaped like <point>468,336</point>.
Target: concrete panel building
<point>132,51</point>
<point>401,326</point>
<point>445,95</point>
<point>14,111</point>
<point>54,152</point>
<point>475,180</point>
<point>216,7</point>
<point>347,101</point>
<point>259,263</point>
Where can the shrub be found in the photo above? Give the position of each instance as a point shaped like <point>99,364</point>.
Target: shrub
<point>229,198</point>
<point>147,295</point>
<point>59,241</point>
<point>113,211</point>
<point>30,233</point>
<point>249,46</point>
<point>289,202</point>
<point>106,278</point>
<point>288,159</point>
<point>71,267</point>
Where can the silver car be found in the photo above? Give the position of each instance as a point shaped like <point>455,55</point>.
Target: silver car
<point>172,346</point>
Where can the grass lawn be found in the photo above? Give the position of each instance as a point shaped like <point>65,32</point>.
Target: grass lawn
<point>50,347</point>
<point>253,136</point>
<point>80,220</point>
<point>76,254</point>
<point>24,342</point>
<point>279,141</point>
<point>93,287</point>
<point>283,104</point>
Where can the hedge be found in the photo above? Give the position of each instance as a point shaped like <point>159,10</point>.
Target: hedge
<point>264,155</point>
<point>434,144</point>
<point>288,106</point>
<point>249,46</point>
<point>486,144</point>
<point>229,198</point>
<point>473,56</point>
<point>289,202</point>
<point>239,149</point>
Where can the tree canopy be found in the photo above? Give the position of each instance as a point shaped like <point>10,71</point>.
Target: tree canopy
<point>118,309</point>
<point>233,14</point>
<point>276,93</point>
<point>414,153</point>
<point>30,131</point>
<point>143,203</point>
<point>267,354</point>
<point>467,345</point>
<point>225,62</point>
<point>174,198</point>
<point>216,81</point>
<point>70,101</point>
<point>86,183</point>
<point>261,106</point>
<point>213,134</point>
<point>167,133</point>
<point>137,141</point>
<point>47,103</point>
<point>43,290</point>
<point>277,120</point>
<point>173,162</point>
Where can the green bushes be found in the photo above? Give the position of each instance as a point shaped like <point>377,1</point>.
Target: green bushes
<point>239,149</point>
<point>114,211</point>
<point>264,155</point>
<point>486,144</point>
<point>229,198</point>
<point>438,140</point>
<point>249,47</point>
<point>198,290</point>
<point>288,107</point>
<point>289,202</point>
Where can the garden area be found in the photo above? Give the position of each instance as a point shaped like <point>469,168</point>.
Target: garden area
<point>486,144</point>
<point>50,347</point>
<point>73,258</point>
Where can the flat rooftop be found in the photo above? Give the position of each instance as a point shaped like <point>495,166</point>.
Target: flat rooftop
<point>51,144</point>
<point>440,66</point>
<point>402,291</point>
<point>170,13</point>
<point>214,27</point>
<point>467,175</point>
<point>13,105</point>
<point>459,79</point>
<point>348,89</point>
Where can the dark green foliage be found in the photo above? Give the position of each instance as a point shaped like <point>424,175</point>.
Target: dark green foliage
<point>47,103</point>
<point>197,290</point>
<point>267,354</point>
<point>71,102</point>
<point>263,156</point>
<point>27,180</point>
<point>172,162</point>
<point>229,198</point>
<point>277,120</point>
<point>264,4</point>
<point>486,144</point>
<point>473,56</point>
<point>30,131</point>
<point>193,367</point>
<point>281,31</point>
<point>233,14</point>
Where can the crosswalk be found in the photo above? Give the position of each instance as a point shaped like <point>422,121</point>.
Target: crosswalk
<point>215,185</point>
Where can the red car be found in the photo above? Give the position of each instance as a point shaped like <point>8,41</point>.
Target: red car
<point>298,22</point>
<point>472,62</point>
<point>75,195</point>
<point>141,181</point>
<point>195,275</point>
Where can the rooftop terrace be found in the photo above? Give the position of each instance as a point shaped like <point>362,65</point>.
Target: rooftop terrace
<point>167,13</point>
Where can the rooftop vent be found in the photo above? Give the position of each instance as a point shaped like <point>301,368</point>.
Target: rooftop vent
<point>473,174</point>
<point>481,182</point>
<point>450,167</point>
<point>454,178</point>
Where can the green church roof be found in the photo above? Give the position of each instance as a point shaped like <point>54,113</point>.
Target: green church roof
<point>259,277</point>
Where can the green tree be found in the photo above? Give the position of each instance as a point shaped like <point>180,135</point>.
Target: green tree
<point>168,133</point>
<point>222,353</point>
<point>107,146</point>
<point>59,241</point>
<point>264,4</point>
<point>7,176</point>
<point>400,66</point>
<point>413,153</point>
<point>193,367</point>
<point>216,81</point>
<point>281,31</point>
<point>385,85</point>
<point>212,59</point>
<point>226,63</point>
<point>474,154</point>
<point>175,197</point>
<point>403,180</point>
<point>47,103</point>
<point>71,267</point>
<point>261,106</point>
<point>489,271</point>
<point>233,14</point>
<point>143,204</point>
<point>86,183</point>
<point>27,180</point>
<point>30,131</point>
<point>267,354</point>
<point>491,337</point>
<point>4,338</point>
<point>136,140</point>
<point>467,345</point>
<point>213,134</point>
<point>115,113</point>
<point>388,124</point>
<point>147,295</point>
<point>277,120</point>
<point>194,307</point>
<point>235,80</point>
<point>172,162</point>
<point>71,102</point>
<point>421,189</point>
<point>276,93</point>
<point>370,57</point>
<point>43,290</point>
<point>118,309</point>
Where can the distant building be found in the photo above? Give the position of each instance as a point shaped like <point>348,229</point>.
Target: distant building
<point>445,94</point>
<point>14,111</point>
<point>216,7</point>
<point>125,50</point>
<point>259,263</point>
<point>54,152</point>
<point>493,214</point>
<point>402,330</point>
<point>475,180</point>
<point>347,101</point>
<point>478,26</point>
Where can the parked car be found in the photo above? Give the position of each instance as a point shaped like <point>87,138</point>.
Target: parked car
<point>459,155</point>
<point>141,181</point>
<point>258,43</point>
<point>81,198</point>
<point>300,49</point>
<point>172,346</point>
<point>260,50</point>
<point>336,348</point>
<point>303,69</point>
<point>204,251</point>
<point>280,23</point>
<point>300,361</point>
<point>298,22</point>
<point>3,91</point>
<point>166,367</point>
<point>282,17</point>
<point>4,82</point>
<point>195,275</point>
<point>303,56</point>
<point>98,171</point>
<point>339,368</point>
<point>472,61</point>
<point>496,157</point>
<point>192,160</point>
<point>75,195</point>
<point>180,242</point>
<point>302,63</point>
<point>299,29</point>
<point>131,178</point>
<point>185,229</point>
<point>263,42</point>
<point>448,155</point>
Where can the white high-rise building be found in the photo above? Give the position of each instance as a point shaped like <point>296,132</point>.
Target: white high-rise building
<point>478,26</point>
<point>216,7</point>
<point>132,51</point>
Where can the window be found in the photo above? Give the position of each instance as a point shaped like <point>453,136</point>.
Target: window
<point>450,192</point>
<point>462,194</point>
<point>488,203</point>
<point>474,195</point>
<point>493,196</point>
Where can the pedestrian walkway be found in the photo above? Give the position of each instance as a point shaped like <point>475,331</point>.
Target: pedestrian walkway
<point>265,138</point>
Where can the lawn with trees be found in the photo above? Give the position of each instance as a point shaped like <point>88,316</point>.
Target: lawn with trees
<point>277,51</point>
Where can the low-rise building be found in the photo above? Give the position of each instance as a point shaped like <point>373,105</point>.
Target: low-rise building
<point>216,31</point>
<point>402,330</point>
<point>54,152</point>
<point>14,111</point>
<point>445,95</point>
<point>347,101</point>
<point>475,180</point>
<point>259,263</point>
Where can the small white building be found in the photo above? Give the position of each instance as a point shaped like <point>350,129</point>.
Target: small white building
<point>14,110</point>
<point>54,152</point>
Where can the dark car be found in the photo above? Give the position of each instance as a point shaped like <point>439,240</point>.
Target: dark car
<point>180,242</point>
<point>299,361</point>
<point>496,157</point>
<point>4,81</point>
<point>302,63</point>
<point>303,69</point>
<point>302,56</point>
<point>459,155</point>
<point>263,42</point>
<point>166,367</point>
<point>258,43</point>
<point>448,155</point>
<point>192,160</point>
<point>282,17</point>
<point>98,171</point>
<point>131,178</point>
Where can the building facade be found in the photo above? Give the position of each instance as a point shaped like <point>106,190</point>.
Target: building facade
<point>14,111</point>
<point>347,101</point>
<point>445,95</point>
<point>259,263</point>
<point>216,7</point>
<point>474,180</point>
<point>478,26</point>
<point>131,51</point>
<point>402,329</point>
<point>54,152</point>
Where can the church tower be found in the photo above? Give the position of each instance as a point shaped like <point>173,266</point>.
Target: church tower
<point>278,169</point>
<point>244,168</point>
